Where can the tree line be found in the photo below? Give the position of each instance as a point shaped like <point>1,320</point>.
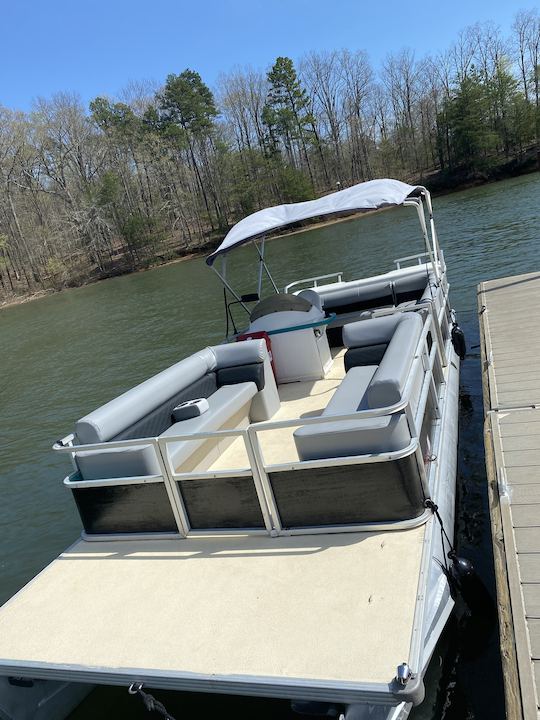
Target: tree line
<point>162,171</point>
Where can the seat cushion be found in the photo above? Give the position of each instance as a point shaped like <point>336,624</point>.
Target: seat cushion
<point>353,437</point>
<point>254,372</point>
<point>114,417</point>
<point>240,353</point>
<point>368,355</point>
<point>350,395</point>
<point>349,437</point>
<point>226,402</point>
<point>122,462</point>
<point>159,419</point>
<point>375,331</point>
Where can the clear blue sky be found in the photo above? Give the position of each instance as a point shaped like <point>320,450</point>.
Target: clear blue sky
<point>97,47</point>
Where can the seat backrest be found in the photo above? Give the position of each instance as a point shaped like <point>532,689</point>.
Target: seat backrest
<point>390,379</point>
<point>312,296</point>
<point>145,410</point>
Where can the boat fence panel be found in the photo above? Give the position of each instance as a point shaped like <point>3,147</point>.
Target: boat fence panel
<point>227,499</point>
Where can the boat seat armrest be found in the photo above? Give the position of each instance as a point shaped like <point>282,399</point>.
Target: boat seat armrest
<point>239,353</point>
<point>372,331</point>
<point>118,463</point>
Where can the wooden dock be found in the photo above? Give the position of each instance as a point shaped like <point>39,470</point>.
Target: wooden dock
<point>510,345</point>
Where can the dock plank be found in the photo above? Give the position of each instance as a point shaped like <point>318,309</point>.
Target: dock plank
<point>527,539</point>
<point>522,475</point>
<point>523,458</point>
<point>534,634</point>
<point>531,598</point>
<point>526,515</point>
<point>521,441</point>
<point>529,567</point>
<point>524,495</point>
<point>510,351</point>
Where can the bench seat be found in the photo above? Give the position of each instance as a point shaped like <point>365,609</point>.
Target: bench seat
<point>352,437</point>
<point>392,341</point>
<point>236,379</point>
<point>226,403</point>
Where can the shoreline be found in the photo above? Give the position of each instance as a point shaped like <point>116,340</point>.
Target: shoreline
<point>439,190</point>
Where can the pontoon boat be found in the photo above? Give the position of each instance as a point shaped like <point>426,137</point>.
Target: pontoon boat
<point>261,517</point>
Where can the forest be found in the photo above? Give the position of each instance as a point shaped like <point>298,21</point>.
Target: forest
<point>163,170</point>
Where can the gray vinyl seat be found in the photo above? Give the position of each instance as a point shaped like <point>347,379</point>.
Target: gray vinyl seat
<point>358,299</point>
<point>230,377</point>
<point>362,294</point>
<point>368,386</point>
<point>135,461</point>
<point>352,437</point>
<point>224,404</point>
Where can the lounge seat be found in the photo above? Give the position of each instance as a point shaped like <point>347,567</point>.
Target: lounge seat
<point>352,437</point>
<point>368,386</point>
<point>228,402</point>
<point>358,299</point>
<point>231,377</point>
<point>400,333</point>
<point>395,287</point>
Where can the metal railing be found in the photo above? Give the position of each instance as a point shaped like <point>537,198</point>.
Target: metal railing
<point>425,366</point>
<point>418,257</point>
<point>314,280</point>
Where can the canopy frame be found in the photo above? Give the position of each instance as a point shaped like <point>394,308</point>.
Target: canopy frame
<point>429,235</point>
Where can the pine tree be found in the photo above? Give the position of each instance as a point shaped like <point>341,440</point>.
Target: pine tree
<point>468,117</point>
<point>286,113</point>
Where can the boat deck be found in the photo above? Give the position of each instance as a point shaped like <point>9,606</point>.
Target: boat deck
<point>300,616</point>
<point>511,378</point>
<point>298,400</point>
<point>314,617</point>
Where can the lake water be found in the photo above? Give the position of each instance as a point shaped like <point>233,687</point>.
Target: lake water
<point>64,355</point>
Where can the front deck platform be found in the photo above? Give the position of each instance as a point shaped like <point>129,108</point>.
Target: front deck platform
<point>317,617</point>
<point>511,379</point>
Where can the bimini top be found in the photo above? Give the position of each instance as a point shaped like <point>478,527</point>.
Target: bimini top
<point>369,195</point>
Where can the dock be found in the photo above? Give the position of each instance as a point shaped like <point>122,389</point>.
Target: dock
<point>510,353</point>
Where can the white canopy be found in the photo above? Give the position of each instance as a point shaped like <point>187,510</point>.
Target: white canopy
<point>369,195</point>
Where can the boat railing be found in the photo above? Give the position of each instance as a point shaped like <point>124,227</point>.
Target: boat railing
<point>419,257</point>
<point>314,280</point>
<point>426,361</point>
<point>257,470</point>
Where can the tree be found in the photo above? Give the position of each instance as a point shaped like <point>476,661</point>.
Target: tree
<point>286,112</point>
<point>472,138</point>
<point>187,113</point>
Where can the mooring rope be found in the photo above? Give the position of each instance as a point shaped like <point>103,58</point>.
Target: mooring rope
<point>444,535</point>
<point>149,701</point>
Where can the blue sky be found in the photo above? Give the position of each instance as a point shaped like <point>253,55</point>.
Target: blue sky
<point>96,48</point>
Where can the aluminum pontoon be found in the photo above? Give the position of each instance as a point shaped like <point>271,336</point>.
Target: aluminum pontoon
<point>258,519</point>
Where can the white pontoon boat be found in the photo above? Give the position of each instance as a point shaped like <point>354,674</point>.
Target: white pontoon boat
<point>260,518</point>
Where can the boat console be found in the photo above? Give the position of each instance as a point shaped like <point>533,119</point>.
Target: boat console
<point>297,328</point>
